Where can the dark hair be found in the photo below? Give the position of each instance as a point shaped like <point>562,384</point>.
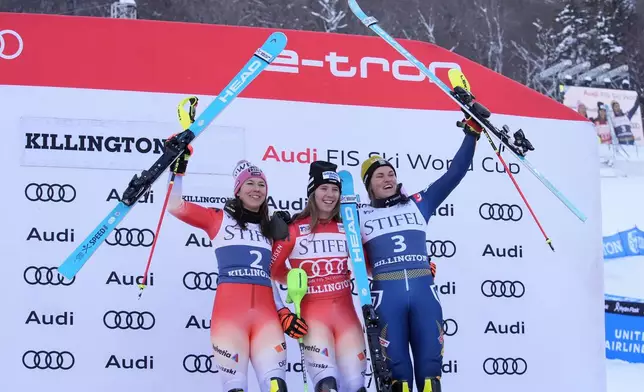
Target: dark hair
<point>311,209</point>
<point>235,207</point>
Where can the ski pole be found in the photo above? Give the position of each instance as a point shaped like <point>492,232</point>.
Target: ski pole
<point>457,79</point>
<point>185,119</point>
<point>296,287</point>
<point>516,185</point>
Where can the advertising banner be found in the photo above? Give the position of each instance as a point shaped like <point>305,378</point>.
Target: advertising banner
<point>623,244</point>
<point>620,124</point>
<point>624,328</point>
<point>86,103</point>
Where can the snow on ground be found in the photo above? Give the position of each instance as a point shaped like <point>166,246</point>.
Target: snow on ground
<point>625,277</point>
<point>621,210</point>
<point>624,377</point>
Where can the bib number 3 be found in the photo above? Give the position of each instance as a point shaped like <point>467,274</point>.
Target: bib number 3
<point>399,242</point>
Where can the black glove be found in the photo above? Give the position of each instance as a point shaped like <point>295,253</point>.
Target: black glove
<point>283,215</point>
<point>181,164</point>
<point>279,225</point>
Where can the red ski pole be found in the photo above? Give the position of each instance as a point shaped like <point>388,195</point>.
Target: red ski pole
<point>185,118</point>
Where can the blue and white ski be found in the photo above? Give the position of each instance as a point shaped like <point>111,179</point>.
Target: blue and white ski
<point>372,23</point>
<point>349,212</point>
<point>262,57</point>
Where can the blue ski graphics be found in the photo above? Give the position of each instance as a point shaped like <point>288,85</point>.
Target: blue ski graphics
<point>349,212</point>
<point>262,57</point>
<point>372,23</point>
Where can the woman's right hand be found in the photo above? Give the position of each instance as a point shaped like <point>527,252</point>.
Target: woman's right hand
<point>295,327</point>
<point>181,164</point>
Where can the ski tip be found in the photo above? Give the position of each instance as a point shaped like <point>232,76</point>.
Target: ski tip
<point>457,78</point>
<point>277,40</point>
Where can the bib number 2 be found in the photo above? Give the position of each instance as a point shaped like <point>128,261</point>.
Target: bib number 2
<point>258,259</point>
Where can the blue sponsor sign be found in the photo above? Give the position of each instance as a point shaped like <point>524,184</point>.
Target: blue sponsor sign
<point>624,244</point>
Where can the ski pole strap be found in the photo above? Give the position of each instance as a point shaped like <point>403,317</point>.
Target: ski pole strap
<point>186,118</point>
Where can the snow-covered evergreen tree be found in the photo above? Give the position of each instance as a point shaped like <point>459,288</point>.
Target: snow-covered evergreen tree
<point>571,37</point>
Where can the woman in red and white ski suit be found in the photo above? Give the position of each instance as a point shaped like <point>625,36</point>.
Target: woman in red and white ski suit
<point>334,349</point>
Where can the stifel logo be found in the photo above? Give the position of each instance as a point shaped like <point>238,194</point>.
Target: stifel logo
<point>307,156</point>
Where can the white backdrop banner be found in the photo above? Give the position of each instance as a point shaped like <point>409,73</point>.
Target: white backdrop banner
<point>518,316</point>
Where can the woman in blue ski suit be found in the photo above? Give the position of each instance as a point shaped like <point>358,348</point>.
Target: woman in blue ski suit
<point>393,234</point>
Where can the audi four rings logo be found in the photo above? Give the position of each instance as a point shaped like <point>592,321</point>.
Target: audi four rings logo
<point>321,268</point>
<point>50,192</point>
<point>4,53</point>
<point>450,327</point>
<point>441,248</point>
<point>129,320</point>
<point>498,212</point>
<point>199,364</point>
<point>54,360</point>
<point>503,288</point>
<point>200,280</point>
<point>131,237</point>
<point>45,276</point>
<point>505,366</point>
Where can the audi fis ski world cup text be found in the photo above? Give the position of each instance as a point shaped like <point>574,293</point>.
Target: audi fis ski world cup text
<point>353,158</point>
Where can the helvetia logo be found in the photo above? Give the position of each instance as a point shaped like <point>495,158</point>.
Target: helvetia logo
<point>324,351</point>
<point>226,353</point>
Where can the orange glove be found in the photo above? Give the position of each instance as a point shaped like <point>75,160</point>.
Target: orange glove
<point>295,327</point>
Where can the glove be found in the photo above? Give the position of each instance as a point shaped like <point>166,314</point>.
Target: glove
<point>469,123</point>
<point>283,215</point>
<point>295,327</point>
<point>181,164</point>
<point>279,225</point>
